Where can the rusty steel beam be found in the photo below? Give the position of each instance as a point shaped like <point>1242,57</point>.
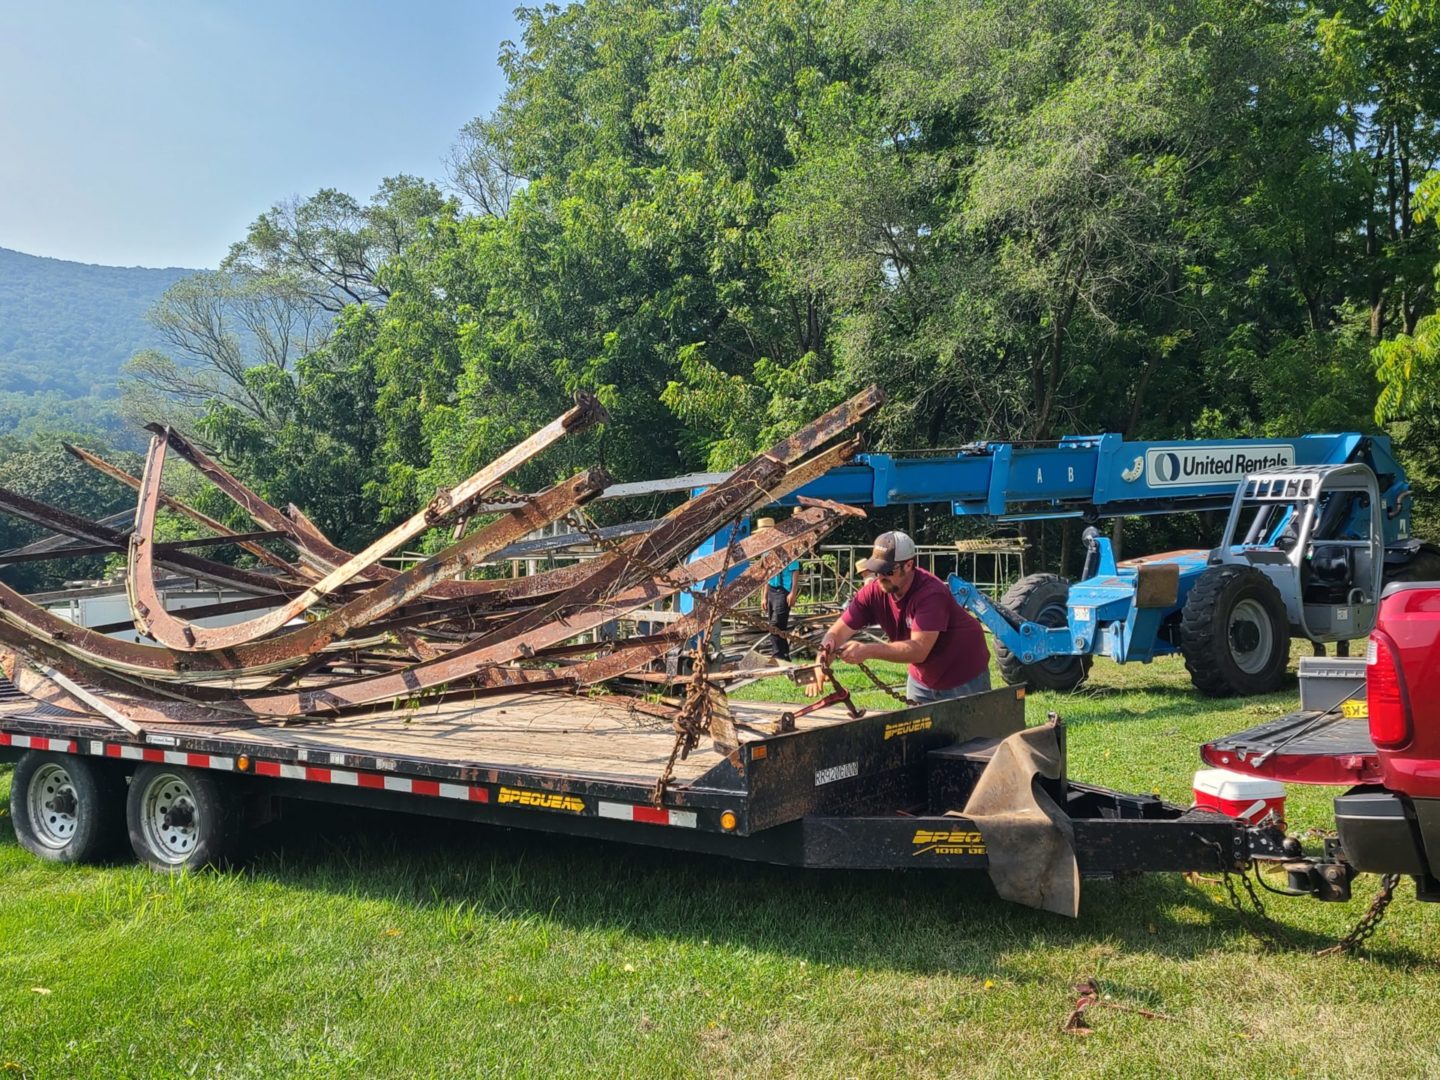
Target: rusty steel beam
<point>78,551</point>
<point>105,468</point>
<point>75,551</point>
<point>83,529</point>
<point>477,663</point>
<point>158,662</point>
<point>151,616</point>
<point>55,542</point>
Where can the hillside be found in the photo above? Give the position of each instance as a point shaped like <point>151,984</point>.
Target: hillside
<point>65,330</point>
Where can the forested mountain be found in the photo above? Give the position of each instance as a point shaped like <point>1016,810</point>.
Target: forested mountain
<point>65,330</point>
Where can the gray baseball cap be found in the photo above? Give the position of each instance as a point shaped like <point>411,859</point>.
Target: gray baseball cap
<point>890,548</point>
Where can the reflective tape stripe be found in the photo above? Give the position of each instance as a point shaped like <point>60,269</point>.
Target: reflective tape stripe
<point>403,785</point>
<point>37,742</point>
<point>648,815</point>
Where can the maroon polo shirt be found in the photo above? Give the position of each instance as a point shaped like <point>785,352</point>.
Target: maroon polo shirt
<point>959,653</point>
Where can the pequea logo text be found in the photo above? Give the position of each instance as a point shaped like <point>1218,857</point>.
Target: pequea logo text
<point>1195,466</point>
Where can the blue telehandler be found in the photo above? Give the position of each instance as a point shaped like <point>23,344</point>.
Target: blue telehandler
<point>1317,526</point>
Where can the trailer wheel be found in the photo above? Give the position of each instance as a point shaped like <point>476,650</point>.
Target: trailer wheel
<point>1233,633</point>
<point>1042,599</point>
<point>180,818</point>
<point>66,809</point>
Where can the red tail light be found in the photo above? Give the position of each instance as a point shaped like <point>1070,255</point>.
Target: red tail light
<point>1388,700</point>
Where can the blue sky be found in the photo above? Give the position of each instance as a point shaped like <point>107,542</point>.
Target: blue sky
<point>151,133</point>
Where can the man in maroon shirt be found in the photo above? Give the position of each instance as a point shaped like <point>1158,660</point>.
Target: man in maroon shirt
<point>943,644</point>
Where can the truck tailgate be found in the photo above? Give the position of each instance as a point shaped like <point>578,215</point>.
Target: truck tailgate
<point>1305,747</point>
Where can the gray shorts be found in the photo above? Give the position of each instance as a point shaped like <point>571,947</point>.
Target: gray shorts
<point>919,694</point>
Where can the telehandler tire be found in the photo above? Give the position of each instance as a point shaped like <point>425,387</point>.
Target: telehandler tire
<point>1040,598</point>
<point>1423,566</point>
<point>1234,633</point>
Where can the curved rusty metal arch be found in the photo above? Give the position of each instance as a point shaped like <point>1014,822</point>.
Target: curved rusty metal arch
<point>283,650</point>
<point>95,461</point>
<point>149,611</point>
<point>477,664</point>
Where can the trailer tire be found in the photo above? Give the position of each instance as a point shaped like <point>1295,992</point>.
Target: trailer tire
<point>1043,599</point>
<point>181,818</point>
<point>67,809</point>
<point>1234,633</point>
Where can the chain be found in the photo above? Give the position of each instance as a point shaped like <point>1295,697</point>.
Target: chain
<point>1369,921</point>
<point>1256,920</point>
<point>1272,935</point>
<point>881,685</point>
<point>755,622</point>
<point>695,715</point>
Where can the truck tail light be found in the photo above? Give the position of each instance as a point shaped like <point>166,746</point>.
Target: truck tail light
<point>1388,699</point>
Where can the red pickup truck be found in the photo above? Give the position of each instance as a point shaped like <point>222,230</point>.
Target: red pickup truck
<point>1385,741</point>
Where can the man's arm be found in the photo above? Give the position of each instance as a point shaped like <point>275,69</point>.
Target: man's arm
<point>913,650</point>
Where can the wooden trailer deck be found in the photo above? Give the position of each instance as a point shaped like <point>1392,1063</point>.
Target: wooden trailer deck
<point>583,737</point>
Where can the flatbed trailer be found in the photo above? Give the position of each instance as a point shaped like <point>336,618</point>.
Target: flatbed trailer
<point>885,791</point>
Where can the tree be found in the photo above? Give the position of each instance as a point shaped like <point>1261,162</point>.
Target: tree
<point>331,246</point>
<point>219,325</point>
<point>480,170</point>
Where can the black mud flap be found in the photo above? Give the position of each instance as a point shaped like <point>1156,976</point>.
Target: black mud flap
<point>1030,840</point>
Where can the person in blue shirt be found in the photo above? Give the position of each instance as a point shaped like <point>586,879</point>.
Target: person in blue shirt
<point>781,592</point>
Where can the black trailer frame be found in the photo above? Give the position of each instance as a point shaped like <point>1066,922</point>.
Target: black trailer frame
<point>880,792</point>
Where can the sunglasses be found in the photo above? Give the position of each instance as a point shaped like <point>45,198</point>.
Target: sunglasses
<point>889,572</point>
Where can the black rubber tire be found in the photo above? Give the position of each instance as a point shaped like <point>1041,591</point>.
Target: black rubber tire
<point>1040,598</point>
<point>90,829</point>
<point>206,831</point>
<point>1212,652</point>
<point>1423,566</point>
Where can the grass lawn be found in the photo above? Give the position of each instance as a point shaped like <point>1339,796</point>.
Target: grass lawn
<point>364,945</point>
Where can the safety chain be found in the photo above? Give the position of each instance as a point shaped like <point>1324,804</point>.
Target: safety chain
<point>1369,921</point>
<point>1270,933</point>
<point>1258,921</point>
<point>880,684</point>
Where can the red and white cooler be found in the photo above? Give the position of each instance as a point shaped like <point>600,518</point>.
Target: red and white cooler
<point>1249,798</point>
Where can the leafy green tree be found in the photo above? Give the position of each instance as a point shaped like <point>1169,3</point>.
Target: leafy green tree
<point>331,246</point>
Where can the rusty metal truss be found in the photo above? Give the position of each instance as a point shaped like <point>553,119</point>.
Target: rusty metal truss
<point>337,632</point>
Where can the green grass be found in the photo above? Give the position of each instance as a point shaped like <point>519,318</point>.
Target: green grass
<point>363,945</point>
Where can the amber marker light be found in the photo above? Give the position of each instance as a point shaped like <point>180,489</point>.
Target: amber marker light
<point>243,763</point>
<point>727,820</point>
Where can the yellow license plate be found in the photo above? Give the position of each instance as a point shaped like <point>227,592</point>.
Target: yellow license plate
<point>1354,710</point>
